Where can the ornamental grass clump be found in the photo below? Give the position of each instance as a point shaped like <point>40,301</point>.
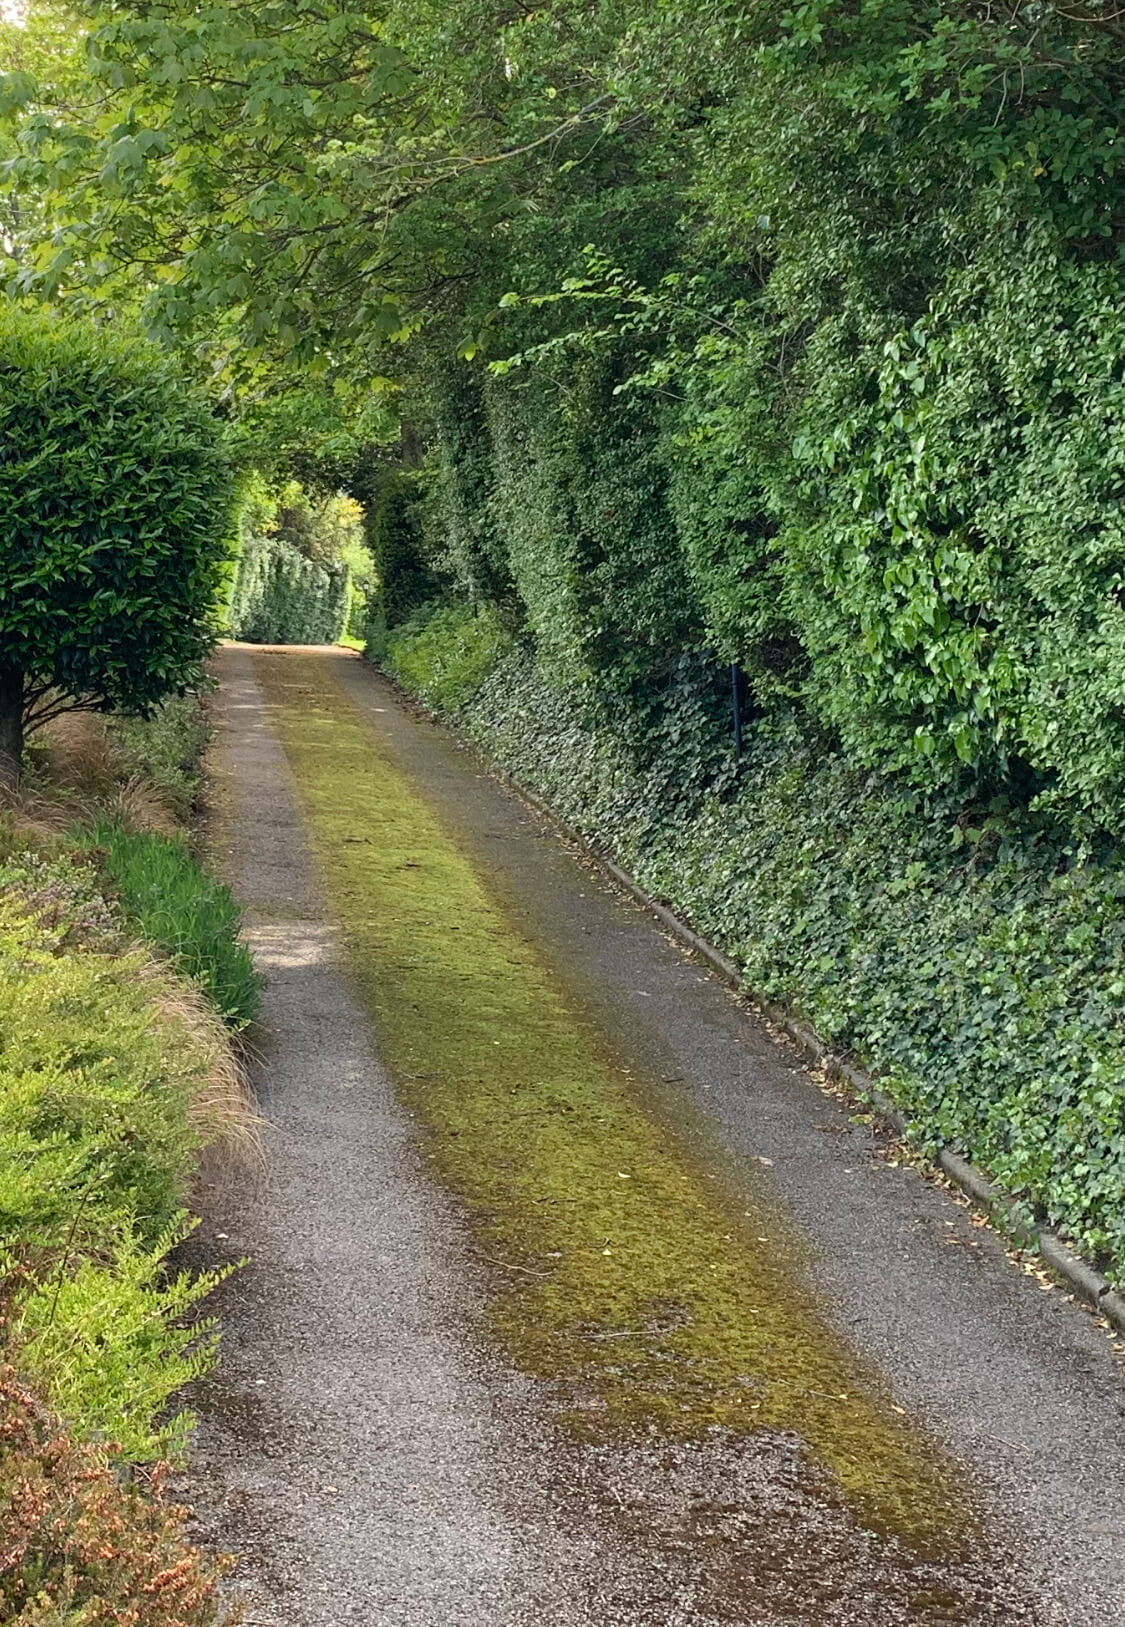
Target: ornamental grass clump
<point>190,915</point>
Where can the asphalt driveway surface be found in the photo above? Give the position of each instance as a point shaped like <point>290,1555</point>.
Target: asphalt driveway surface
<point>371,1449</point>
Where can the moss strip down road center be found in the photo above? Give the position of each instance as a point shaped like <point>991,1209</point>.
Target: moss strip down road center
<point>651,1298</point>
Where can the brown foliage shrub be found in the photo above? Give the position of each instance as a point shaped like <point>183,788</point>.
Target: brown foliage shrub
<point>79,1545</point>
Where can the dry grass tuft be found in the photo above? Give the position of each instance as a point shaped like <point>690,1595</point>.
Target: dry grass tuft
<point>76,775</point>
<point>224,1111</point>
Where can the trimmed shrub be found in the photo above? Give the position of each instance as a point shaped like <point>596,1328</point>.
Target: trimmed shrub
<point>393,529</point>
<point>116,491</point>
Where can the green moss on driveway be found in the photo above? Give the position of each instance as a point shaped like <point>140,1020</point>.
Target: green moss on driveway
<point>624,1273</point>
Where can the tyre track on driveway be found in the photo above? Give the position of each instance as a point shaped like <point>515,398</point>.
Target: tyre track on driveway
<point>352,1446</point>
<point>370,1446</point>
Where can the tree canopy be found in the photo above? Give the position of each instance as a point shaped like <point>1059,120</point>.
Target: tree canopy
<point>782,334</point>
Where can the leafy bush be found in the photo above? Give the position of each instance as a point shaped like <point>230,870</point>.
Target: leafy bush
<point>442,653</point>
<point>100,1123</point>
<point>393,528</point>
<point>190,915</point>
<point>578,500</point>
<point>166,749</point>
<point>111,1343</point>
<point>282,597</point>
<point>80,1545</point>
<point>973,959</point>
<point>325,529</point>
<point>116,492</point>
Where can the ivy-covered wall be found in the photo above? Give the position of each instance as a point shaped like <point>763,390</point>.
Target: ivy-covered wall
<point>977,967</point>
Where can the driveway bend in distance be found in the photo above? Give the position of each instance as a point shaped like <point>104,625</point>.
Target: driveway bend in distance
<point>569,1293</point>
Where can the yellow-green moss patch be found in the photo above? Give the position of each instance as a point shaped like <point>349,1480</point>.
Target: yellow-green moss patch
<point>625,1274</point>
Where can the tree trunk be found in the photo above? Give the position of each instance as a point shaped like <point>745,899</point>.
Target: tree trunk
<point>11,726</point>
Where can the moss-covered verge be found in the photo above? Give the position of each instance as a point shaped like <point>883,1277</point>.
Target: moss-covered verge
<point>975,961</point>
<point>623,1272</point>
<point>115,1073</point>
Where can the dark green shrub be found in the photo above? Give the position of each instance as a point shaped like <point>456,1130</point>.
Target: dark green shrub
<point>459,523</point>
<point>282,597</point>
<point>393,529</point>
<point>116,495</point>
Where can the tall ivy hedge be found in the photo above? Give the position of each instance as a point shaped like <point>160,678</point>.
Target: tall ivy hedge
<point>976,967</point>
<point>394,531</point>
<point>816,365</point>
<point>282,597</point>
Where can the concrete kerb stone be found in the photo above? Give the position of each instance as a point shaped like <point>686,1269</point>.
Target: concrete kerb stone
<point>1089,1285</point>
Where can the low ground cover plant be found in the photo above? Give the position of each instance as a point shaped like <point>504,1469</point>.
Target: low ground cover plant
<point>80,1544</point>
<point>972,957</point>
<point>103,1094</point>
<point>441,654</point>
<point>166,749</point>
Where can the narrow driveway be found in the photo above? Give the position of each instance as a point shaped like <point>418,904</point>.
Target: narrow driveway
<point>570,1296</point>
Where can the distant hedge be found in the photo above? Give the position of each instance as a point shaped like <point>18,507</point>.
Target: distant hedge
<point>392,529</point>
<point>280,597</point>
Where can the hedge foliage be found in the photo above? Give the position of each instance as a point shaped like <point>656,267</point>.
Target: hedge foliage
<point>976,966</point>
<point>814,364</point>
<point>281,596</point>
<point>810,363</point>
<point>392,528</point>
